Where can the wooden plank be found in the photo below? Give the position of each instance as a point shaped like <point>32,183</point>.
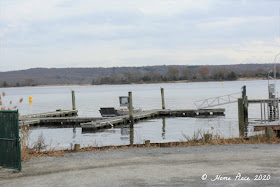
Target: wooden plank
<point>149,114</point>
<point>51,114</point>
<point>275,125</point>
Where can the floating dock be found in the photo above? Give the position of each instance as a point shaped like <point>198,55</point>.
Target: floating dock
<point>274,125</point>
<point>57,113</point>
<point>36,119</point>
<point>119,120</point>
<point>69,117</point>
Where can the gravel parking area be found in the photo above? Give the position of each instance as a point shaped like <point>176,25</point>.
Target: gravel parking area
<point>232,165</point>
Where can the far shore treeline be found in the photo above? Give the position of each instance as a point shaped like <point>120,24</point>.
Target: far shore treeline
<point>128,75</point>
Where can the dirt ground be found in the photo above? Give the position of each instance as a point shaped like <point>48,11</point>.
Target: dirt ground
<point>221,165</point>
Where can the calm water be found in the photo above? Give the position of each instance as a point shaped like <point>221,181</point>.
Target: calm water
<point>178,96</point>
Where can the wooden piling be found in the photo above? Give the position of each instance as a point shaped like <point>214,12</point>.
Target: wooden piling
<point>246,119</point>
<point>73,100</point>
<point>241,117</point>
<point>269,133</point>
<point>162,98</point>
<point>77,147</point>
<point>243,113</point>
<point>243,91</point>
<point>130,107</point>
<point>131,134</point>
<point>147,143</point>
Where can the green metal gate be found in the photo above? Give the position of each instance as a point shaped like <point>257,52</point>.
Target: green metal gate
<point>10,155</point>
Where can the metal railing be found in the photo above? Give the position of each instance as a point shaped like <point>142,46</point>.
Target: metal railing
<point>217,101</point>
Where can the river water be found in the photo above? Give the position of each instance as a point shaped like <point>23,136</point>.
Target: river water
<point>146,96</point>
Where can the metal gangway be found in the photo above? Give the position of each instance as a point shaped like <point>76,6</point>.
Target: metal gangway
<point>217,101</point>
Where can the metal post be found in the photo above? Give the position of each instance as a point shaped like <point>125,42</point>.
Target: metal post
<point>73,100</point>
<point>264,111</point>
<point>275,70</point>
<point>130,107</point>
<point>261,113</point>
<point>162,98</point>
<point>277,108</point>
<point>268,114</point>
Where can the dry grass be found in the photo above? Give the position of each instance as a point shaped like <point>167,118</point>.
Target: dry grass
<point>8,104</point>
<point>194,141</point>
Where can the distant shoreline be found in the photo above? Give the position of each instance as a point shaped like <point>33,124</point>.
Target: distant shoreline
<point>161,82</point>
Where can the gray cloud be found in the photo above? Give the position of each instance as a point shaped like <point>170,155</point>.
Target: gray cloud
<point>121,33</point>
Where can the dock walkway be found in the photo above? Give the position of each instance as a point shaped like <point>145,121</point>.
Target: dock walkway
<point>118,120</point>
<point>275,125</point>
<point>69,117</point>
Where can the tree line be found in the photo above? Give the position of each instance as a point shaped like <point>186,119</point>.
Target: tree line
<point>173,74</point>
<point>127,75</point>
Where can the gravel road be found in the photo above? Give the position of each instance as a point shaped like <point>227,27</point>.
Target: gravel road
<point>154,167</point>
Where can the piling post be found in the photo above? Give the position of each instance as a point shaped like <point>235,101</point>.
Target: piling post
<point>131,134</point>
<point>243,113</point>
<point>162,98</point>
<point>147,143</point>
<point>269,133</point>
<point>241,117</point>
<point>246,120</point>
<point>77,147</point>
<point>243,91</point>
<point>130,107</point>
<point>73,100</point>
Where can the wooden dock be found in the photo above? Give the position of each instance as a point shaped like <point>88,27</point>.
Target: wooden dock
<point>56,116</point>
<point>274,125</point>
<point>57,113</point>
<point>118,120</point>
<point>69,117</point>
<point>58,121</point>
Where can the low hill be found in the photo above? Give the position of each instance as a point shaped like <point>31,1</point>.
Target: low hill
<point>53,76</point>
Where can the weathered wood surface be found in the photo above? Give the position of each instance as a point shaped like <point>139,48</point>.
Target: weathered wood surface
<point>69,117</point>
<point>58,120</point>
<point>275,125</point>
<point>110,122</point>
<point>58,113</point>
<point>33,119</point>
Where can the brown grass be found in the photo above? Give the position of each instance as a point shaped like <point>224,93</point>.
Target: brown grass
<point>259,139</point>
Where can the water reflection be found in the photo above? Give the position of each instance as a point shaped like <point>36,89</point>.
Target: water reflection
<point>163,128</point>
<point>131,134</point>
<point>74,133</point>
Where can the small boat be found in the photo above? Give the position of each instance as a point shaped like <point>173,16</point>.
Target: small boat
<point>122,110</point>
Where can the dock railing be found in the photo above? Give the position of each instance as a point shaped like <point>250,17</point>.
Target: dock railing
<point>217,101</point>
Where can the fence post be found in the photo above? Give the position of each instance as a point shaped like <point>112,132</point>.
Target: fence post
<point>162,98</point>
<point>73,100</point>
<point>130,107</point>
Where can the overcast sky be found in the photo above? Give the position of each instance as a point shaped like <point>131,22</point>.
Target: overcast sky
<point>106,33</point>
